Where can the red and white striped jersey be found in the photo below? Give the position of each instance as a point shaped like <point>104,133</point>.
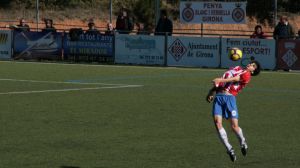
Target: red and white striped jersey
<point>235,87</point>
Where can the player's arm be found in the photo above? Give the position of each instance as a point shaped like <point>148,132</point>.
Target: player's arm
<point>211,94</point>
<point>216,81</point>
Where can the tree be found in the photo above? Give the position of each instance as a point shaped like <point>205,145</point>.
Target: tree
<point>144,13</point>
<point>261,10</point>
<point>4,3</point>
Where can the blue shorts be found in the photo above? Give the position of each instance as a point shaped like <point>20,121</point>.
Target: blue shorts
<point>225,105</point>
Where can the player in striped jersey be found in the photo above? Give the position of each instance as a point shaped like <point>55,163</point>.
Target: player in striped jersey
<point>224,103</point>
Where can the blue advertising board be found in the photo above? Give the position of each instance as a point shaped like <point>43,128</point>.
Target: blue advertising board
<point>140,49</point>
<point>88,45</point>
<point>193,51</point>
<point>5,44</point>
<point>37,45</point>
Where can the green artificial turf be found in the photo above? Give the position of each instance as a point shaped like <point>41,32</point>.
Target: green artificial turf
<point>139,117</point>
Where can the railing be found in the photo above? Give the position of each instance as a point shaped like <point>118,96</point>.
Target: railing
<point>4,24</point>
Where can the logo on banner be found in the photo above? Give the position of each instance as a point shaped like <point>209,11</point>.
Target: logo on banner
<point>188,13</point>
<point>177,50</point>
<point>46,44</point>
<point>238,14</point>
<point>289,57</point>
<point>3,38</point>
<point>140,44</point>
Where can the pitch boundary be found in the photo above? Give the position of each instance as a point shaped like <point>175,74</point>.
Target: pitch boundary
<point>68,90</point>
<point>106,86</point>
<point>60,82</point>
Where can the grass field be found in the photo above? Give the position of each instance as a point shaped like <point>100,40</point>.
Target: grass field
<point>93,116</point>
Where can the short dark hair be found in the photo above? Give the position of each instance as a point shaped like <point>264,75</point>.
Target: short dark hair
<point>258,26</point>
<point>48,21</point>
<point>163,12</point>
<point>91,22</point>
<point>257,69</point>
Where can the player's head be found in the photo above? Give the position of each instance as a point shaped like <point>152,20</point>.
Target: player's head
<point>254,67</point>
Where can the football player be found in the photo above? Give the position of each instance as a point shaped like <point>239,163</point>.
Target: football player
<point>223,95</point>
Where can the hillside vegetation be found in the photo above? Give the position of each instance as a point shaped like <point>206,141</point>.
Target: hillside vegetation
<point>262,10</point>
<point>78,12</point>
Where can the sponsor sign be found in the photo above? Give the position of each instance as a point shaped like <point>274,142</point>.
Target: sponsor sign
<point>262,50</point>
<point>88,45</point>
<point>5,44</point>
<point>41,45</point>
<point>140,49</point>
<point>213,12</point>
<point>289,54</point>
<point>192,51</point>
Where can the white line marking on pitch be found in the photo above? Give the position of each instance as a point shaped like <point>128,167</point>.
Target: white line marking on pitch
<point>68,90</point>
<point>57,82</point>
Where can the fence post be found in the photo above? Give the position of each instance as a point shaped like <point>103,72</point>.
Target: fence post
<point>110,13</point>
<point>275,13</point>
<point>201,29</point>
<point>37,15</point>
<point>157,11</point>
<point>220,51</point>
<point>114,47</point>
<point>166,49</point>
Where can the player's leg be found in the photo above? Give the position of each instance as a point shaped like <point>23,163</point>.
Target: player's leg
<point>223,137</point>
<point>221,132</point>
<point>218,114</point>
<point>237,130</point>
<point>239,133</point>
<point>233,114</point>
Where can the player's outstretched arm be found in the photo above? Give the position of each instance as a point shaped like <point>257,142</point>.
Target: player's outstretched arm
<point>211,94</point>
<point>216,81</point>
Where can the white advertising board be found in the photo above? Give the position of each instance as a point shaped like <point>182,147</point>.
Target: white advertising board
<point>213,12</point>
<point>5,44</point>
<point>262,50</point>
<point>139,49</point>
<point>193,51</point>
